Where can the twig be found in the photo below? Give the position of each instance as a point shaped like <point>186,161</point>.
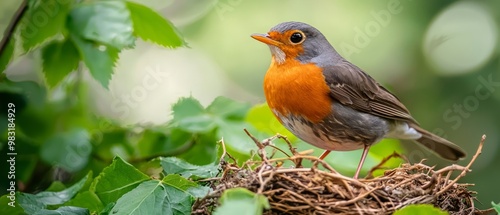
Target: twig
<point>177,151</point>
<point>379,166</point>
<point>467,168</point>
<point>224,152</point>
<point>255,140</point>
<point>12,26</point>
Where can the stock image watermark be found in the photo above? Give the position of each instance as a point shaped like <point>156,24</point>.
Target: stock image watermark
<point>11,154</point>
<point>458,112</point>
<point>226,6</point>
<point>363,35</point>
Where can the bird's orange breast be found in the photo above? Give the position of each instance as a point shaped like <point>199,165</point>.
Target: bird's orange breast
<point>297,89</point>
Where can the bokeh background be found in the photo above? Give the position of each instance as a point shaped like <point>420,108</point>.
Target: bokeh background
<point>441,58</point>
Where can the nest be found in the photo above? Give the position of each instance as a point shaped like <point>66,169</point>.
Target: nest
<point>315,191</point>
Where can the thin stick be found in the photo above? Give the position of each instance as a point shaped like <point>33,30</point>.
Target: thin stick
<point>12,26</point>
<point>467,168</point>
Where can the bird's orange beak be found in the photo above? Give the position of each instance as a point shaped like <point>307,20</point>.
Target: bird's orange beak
<point>266,39</point>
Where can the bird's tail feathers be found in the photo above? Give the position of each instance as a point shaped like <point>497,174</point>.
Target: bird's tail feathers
<point>441,146</point>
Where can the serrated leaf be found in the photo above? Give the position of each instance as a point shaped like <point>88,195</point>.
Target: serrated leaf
<point>56,186</point>
<point>56,198</point>
<point>99,58</point>
<point>7,54</point>
<point>203,151</point>
<point>261,117</point>
<point>151,26</point>
<point>66,210</point>
<point>115,180</point>
<point>242,201</point>
<point>37,203</point>
<point>10,205</point>
<point>189,115</point>
<point>173,165</point>
<point>107,209</point>
<point>186,107</point>
<point>75,152</point>
<point>86,199</point>
<point>197,124</point>
<point>422,209</point>
<point>106,22</point>
<point>228,109</point>
<point>236,139</point>
<point>29,203</point>
<point>43,21</point>
<point>496,207</point>
<point>180,183</point>
<point>59,59</point>
<point>153,197</point>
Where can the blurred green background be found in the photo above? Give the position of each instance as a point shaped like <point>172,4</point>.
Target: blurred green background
<point>441,58</point>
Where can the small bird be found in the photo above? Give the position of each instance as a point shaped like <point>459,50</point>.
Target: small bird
<point>331,103</point>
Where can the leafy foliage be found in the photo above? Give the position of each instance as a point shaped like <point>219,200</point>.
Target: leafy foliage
<point>170,185</point>
<point>140,169</point>
<point>37,203</point>
<point>59,59</point>
<point>419,210</point>
<point>496,207</point>
<point>242,200</point>
<point>7,55</point>
<point>150,26</point>
<point>93,32</point>
<point>172,165</point>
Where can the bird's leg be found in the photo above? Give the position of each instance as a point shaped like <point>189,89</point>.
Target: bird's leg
<point>324,154</point>
<point>363,156</point>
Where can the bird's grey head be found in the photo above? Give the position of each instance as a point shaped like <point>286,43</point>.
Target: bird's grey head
<point>300,41</point>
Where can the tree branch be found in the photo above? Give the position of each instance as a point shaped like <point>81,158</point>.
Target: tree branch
<point>12,26</point>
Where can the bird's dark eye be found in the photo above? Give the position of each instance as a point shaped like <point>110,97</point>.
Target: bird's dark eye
<point>297,37</point>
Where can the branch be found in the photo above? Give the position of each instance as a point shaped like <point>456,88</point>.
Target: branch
<point>12,26</point>
<point>467,168</point>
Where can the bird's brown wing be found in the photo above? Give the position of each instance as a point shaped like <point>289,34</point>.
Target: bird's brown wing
<point>352,87</point>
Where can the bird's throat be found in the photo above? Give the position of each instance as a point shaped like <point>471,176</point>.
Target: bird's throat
<point>278,54</point>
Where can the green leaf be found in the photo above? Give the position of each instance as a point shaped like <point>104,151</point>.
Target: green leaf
<point>43,21</point>
<point>56,186</point>
<point>66,210</point>
<point>186,107</point>
<point>10,205</point>
<point>382,150</point>
<point>99,58</point>
<point>87,200</point>
<point>496,207</point>
<point>106,22</point>
<point>203,150</point>
<point>153,197</point>
<point>241,201</point>
<point>69,150</point>
<point>228,109</point>
<point>115,180</point>
<point>261,117</point>
<point>180,183</point>
<point>173,165</point>
<point>59,59</point>
<point>189,115</point>
<point>421,209</point>
<point>7,54</point>
<point>150,26</point>
<point>34,203</point>
<point>29,203</point>
<point>236,139</point>
<point>107,209</point>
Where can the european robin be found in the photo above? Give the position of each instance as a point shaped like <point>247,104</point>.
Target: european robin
<point>331,103</point>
